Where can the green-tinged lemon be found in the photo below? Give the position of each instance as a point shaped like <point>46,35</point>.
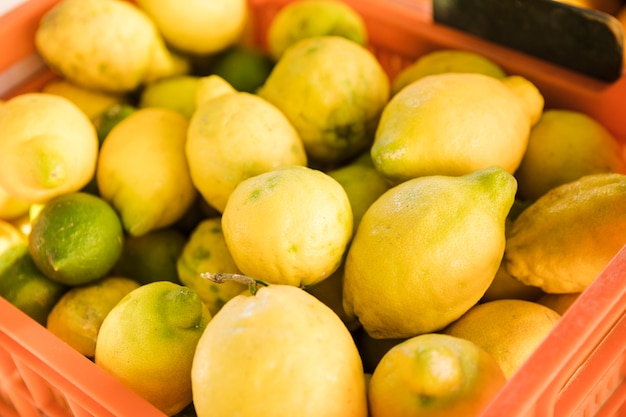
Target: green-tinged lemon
<point>148,341</point>
<point>143,171</point>
<point>206,251</point>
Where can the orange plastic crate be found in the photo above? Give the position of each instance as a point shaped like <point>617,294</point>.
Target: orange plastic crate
<point>578,371</point>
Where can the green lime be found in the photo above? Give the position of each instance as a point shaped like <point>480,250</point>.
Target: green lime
<point>109,118</point>
<point>151,257</point>
<point>24,286</point>
<point>243,67</point>
<point>76,238</point>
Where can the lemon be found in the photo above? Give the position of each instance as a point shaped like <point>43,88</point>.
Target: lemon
<point>426,251</point>
<point>530,96</point>
<point>565,239</point>
<point>108,45</point>
<point>206,251</point>
<point>143,172</point>
<point>177,93</point>
<point>443,61</point>
<point>244,67</point>
<point>280,353</point>
<point>76,238</point>
<point>90,101</point>
<point>48,145</point>
<point>234,137</point>
<point>76,318</point>
<point>509,330</point>
<point>308,18</point>
<point>451,124</point>
<point>290,226</point>
<point>434,375</point>
<point>148,340</point>
<point>200,27</point>
<point>152,256</point>
<point>23,285</point>
<point>363,184</point>
<point>11,207</point>
<point>333,91</point>
<point>564,146</point>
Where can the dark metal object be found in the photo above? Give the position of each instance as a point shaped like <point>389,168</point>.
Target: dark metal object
<point>585,41</point>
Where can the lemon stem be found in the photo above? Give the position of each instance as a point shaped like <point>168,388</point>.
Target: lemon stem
<point>221,277</point>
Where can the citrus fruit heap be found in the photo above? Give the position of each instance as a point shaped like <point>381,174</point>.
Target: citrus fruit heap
<point>311,235</point>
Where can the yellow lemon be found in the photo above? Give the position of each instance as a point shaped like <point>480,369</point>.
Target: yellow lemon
<point>446,60</point>
<point>288,226</point>
<point>200,27</point>
<point>148,341</point>
<point>143,171</point>
<point>509,330</point>
<point>76,318</point>
<point>76,238</point>
<point>25,286</point>
<point>451,124</point>
<point>308,18</point>
<point>530,96</point>
<point>108,45</point>
<point>434,375</point>
<point>333,91</point>
<point>234,137</point>
<point>292,352</point>
<point>563,146</point>
<point>426,251</point>
<point>90,101</point>
<point>206,251</point>
<point>562,241</point>
<point>48,145</point>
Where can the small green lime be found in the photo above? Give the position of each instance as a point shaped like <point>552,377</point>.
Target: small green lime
<point>76,238</point>
<point>243,67</point>
<point>151,257</point>
<point>24,286</point>
<point>109,118</point>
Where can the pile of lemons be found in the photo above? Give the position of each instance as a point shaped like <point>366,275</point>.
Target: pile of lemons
<point>294,231</point>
